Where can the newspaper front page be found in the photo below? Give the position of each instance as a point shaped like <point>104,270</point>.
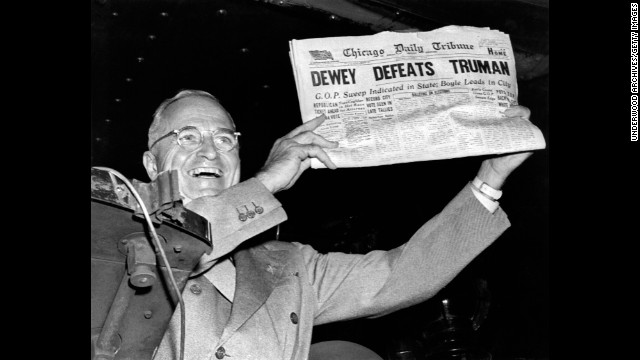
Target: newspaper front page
<point>403,97</point>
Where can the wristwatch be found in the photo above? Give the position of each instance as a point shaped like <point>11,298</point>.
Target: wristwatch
<point>486,189</point>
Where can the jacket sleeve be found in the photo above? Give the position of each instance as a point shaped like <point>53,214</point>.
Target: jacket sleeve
<point>235,215</point>
<point>380,282</point>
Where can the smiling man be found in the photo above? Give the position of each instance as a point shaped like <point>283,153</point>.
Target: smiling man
<point>206,157</point>
<point>261,301</point>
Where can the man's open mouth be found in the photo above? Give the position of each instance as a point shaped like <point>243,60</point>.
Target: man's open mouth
<point>211,173</point>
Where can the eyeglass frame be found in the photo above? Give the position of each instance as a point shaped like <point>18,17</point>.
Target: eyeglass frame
<point>178,131</point>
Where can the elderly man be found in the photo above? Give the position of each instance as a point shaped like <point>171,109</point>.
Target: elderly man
<point>261,301</point>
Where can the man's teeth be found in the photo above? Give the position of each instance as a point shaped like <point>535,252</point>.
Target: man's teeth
<point>206,172</point>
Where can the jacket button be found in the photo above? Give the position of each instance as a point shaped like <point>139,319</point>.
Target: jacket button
<point>294,318</point>
<point>196,289</point>
<point>220,353</point>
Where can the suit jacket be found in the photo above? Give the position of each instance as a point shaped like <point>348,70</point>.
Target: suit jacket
<point>283,289</point>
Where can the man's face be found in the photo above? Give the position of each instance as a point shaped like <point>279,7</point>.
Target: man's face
<point>205,170</point>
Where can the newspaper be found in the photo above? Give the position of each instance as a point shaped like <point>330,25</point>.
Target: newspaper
<point>403,97</point>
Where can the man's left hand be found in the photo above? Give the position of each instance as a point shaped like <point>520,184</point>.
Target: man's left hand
<point>495,171</point>
<point>291,155</point>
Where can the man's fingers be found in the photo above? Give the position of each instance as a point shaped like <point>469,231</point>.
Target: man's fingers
<point>309,137</point>
<point>317,152</point>
<point>308,126</point>
<point>518,110</point>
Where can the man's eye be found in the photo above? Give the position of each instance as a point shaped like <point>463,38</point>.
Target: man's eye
<point>189,135</point>
<point>224,139</point>
<point>188,138</point>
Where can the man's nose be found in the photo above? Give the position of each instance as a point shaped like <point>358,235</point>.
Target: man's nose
<point>207,148</point>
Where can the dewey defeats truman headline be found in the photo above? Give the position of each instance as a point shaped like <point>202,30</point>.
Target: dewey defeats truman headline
<point>415,69</point>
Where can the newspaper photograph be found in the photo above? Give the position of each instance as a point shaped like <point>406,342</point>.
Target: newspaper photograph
<point>403,97</point>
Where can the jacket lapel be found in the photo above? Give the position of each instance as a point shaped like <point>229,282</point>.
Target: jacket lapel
<point>258,271</point>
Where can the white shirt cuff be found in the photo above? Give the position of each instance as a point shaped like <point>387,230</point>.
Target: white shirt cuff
<point>491,205</point>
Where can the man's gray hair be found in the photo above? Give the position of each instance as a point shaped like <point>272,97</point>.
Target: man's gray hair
<point>159,127</point>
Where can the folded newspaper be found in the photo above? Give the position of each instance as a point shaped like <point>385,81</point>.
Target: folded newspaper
<point>403,97</point>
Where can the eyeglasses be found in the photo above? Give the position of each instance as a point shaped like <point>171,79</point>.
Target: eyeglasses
<point>190,138</point>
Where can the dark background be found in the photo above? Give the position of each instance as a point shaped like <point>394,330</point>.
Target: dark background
<point>145,51</point>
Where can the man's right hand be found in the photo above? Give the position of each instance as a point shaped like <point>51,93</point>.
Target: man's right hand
<point>291,155</point>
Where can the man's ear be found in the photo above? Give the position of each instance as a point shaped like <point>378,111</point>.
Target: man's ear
<point>149,162</point>
<point>236,176</point>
